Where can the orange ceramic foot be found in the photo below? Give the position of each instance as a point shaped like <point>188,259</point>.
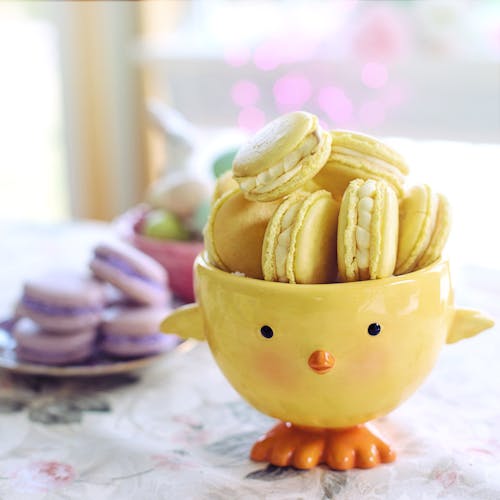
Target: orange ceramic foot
<point>306,447</point>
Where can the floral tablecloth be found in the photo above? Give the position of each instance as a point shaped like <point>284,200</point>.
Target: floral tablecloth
<point>178,430</point>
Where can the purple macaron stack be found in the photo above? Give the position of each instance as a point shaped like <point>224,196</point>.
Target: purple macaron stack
<point>37,345</point>
<point>60,312</point>
<point>134,332</point>
<point>65,317</point>
<point>132,329</point>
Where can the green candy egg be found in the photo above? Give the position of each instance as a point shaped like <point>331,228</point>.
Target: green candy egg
<point>224,162</point>
<point>201,216</point>
<point>163,225</point>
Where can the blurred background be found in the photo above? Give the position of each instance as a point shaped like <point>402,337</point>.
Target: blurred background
<point>88,89</point>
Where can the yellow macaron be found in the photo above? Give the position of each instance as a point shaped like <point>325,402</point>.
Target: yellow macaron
<point>368,231</point>
<point>300,240</point>
<point>359,156</point>
<point>281,157</point>
<point>424,227</point>
<point>234,233</point>
<point>224,184</point>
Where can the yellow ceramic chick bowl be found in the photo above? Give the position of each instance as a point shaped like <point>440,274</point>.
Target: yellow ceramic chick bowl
<point>325,359</point>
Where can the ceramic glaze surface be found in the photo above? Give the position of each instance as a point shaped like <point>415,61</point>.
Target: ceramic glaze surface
<point>371,374</point>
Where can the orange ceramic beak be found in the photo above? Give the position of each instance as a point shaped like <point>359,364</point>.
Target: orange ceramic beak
<point>321,361</point>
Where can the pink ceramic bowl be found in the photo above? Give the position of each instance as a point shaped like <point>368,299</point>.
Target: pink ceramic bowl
<point>177,257</point>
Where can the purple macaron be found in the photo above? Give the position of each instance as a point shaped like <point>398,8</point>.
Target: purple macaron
<point>134,273</point>
<point>62,301</point>
<point>114,297</point>
<point>36,345</point>
<point>130,332</point>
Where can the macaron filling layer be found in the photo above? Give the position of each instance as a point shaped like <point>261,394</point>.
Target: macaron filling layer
<point>370,161</point>
<point>284,241</point>
<point>366,195</point>
<point>123,266</point>
<point>130,345</point>
<point>286,169</point>
<point>39,306</point>
<point>139,339</point>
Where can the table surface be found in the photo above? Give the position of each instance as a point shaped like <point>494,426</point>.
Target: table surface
<point>178,430</point>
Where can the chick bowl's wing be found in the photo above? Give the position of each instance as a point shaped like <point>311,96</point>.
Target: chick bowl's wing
<point>186,322</point>
<point>467,323</point>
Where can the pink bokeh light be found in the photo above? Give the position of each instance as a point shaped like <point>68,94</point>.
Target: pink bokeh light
<point>267,56</point>
<point>371,113</point>
<point>291,92</point>
<point>237,56</point>
<point>337,106</point>
<point>251,119</point>
<point>245,93</point>
<point>382,35</point>
<point>374,75</point>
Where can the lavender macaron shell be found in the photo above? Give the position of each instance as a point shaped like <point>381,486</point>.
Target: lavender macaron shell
<point>126,320</point>
<point>46,358</point>
<point>136,274</point>
<point>59,324</point>
<point>62,301</point>
<point>36,345</point>
<point>130,346</point>
<point>114,297</point>
<point>132,332</point>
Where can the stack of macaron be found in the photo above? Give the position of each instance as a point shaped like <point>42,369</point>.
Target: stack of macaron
<point>131,328</point>
<point>305,205</point>
<point>59,313</point>
<point>67,317</point>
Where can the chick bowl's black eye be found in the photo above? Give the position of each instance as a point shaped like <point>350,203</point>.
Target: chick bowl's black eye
<point>374,329</point>
<point>267,331</point>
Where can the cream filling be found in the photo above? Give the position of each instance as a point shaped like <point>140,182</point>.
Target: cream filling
<point>365,208</point>
<point>283,171</point>
<point>284,240</point>
<point>371,161</point>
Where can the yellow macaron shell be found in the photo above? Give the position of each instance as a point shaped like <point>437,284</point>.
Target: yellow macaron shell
<point>281,157</point>
<point>439,236</point>
<point>368,231</point>
<point>224,184</point>
<point>359,156</point>
<point>235,231</point>
<point>300,240</point>
<point>417,219</point>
